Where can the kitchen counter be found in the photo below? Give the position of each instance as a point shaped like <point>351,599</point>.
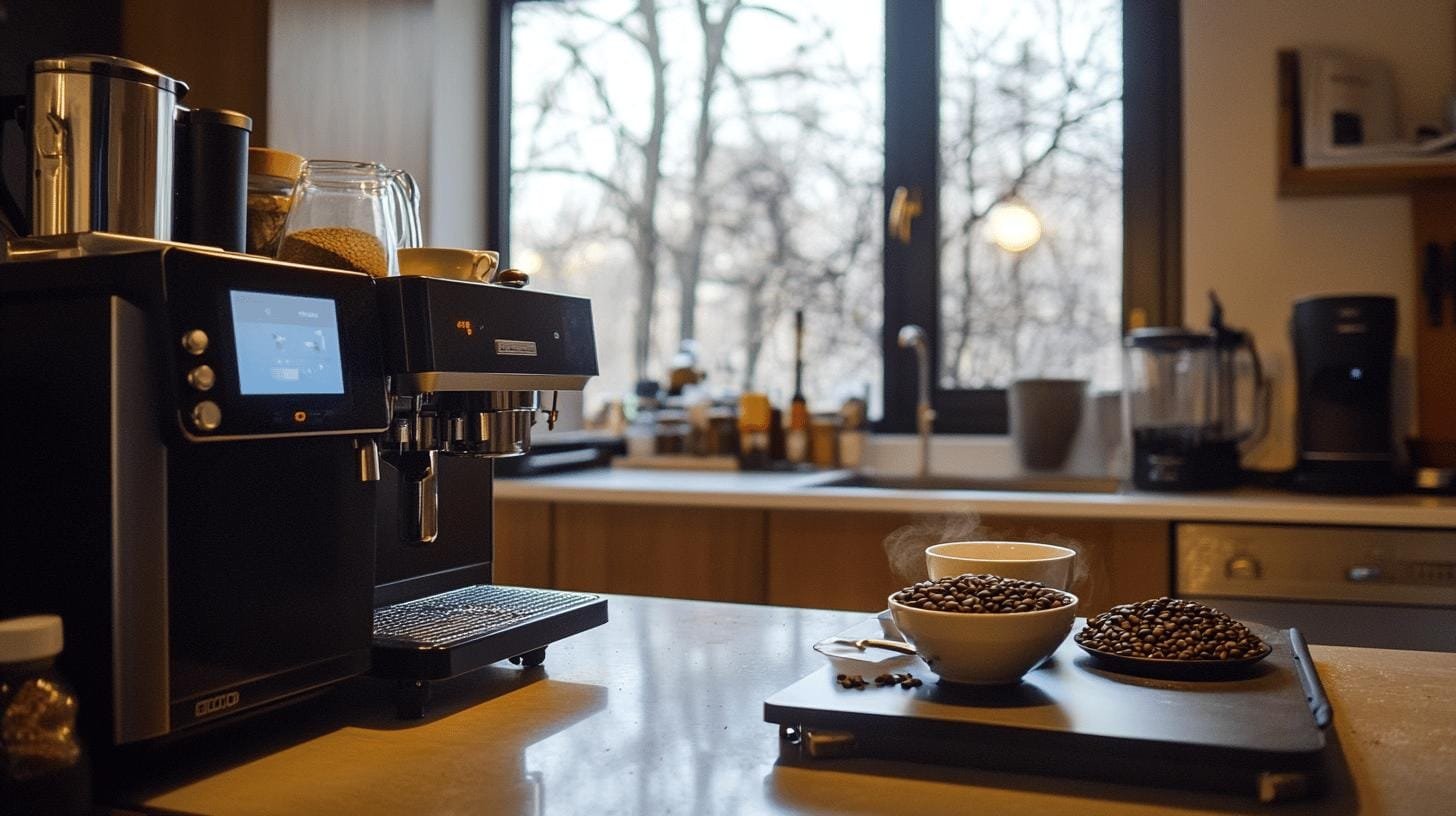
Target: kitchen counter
<point>661,711</point>
<point>797,491</point>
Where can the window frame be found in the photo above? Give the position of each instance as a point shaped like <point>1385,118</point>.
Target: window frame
<point>1152,196</point>
<point>1152,199</point>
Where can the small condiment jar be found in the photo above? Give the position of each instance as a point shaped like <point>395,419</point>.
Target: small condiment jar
<point>42,766</point>
<point>272,175</point>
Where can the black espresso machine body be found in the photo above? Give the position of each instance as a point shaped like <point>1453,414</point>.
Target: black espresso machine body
<point>467,364</point>
<point>1344,352</point>
<point>474,356</point>
<point>192,482</point>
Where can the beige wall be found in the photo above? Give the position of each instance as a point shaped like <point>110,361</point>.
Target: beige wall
<point>220,49</point>
<point>400,82</point>
<point>1259,251</point>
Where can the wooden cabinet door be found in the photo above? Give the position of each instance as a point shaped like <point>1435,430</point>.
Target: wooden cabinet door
<point>703,553</point>
<point>521,544</point>
<point>831,560</point>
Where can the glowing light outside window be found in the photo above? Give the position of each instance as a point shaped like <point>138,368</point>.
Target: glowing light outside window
<point>1013,227</point>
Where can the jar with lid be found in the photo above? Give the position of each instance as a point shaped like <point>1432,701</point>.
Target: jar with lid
<point>42,766</point>
<point>272,175</point>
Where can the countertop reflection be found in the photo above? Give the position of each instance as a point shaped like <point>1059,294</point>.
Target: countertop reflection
<point>661,711</point>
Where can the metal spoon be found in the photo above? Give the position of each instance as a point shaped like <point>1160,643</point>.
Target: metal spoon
<point>868,643</point>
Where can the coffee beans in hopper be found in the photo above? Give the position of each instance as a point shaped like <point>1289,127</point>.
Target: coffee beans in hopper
<point>981,594</point>
<point>1170,629</point>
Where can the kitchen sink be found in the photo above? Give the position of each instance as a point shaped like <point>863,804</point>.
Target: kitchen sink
<point>1019,484</point>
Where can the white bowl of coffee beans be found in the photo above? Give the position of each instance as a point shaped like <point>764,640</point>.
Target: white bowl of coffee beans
<point>983,629</point>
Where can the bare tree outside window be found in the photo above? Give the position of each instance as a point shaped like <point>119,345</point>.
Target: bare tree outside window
<point>701,170</point>
<point>1031,113</point>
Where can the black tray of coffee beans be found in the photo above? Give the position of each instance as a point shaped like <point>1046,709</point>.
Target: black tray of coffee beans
<point>1168,637</point>
<point>1260,733</point>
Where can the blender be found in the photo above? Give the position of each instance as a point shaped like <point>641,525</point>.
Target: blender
<point>1193,401</point>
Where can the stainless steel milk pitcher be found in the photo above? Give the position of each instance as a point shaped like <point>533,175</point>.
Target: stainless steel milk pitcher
<point>100,135</point>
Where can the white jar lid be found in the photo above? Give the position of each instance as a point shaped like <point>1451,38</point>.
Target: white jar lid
<point>34,637</point>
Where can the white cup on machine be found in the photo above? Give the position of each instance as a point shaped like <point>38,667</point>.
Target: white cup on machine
<point>445,262</point>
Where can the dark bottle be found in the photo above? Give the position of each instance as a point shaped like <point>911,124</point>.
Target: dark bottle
<point>42,767</point>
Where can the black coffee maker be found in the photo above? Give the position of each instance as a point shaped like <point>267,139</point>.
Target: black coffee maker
<point>1344,353</point>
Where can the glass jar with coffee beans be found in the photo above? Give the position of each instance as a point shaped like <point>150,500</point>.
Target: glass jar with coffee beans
<point>1170,629</point>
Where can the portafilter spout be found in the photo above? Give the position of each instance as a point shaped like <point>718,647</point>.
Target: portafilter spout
<point>419,480</point>
<point>477,424</point>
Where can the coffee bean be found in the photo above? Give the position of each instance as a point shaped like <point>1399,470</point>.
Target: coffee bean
<point>1170,629</point>
<point>982,594</point>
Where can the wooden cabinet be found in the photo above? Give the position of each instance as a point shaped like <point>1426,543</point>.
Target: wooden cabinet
<point>702,553</point>
<point>808,558</point>
<point>831,560</point>
<point>523,547</point>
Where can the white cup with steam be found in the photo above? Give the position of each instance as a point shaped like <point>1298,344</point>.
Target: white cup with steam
<point>1025,560</point>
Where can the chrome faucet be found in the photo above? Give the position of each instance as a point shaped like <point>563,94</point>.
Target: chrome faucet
<point>912,336</point>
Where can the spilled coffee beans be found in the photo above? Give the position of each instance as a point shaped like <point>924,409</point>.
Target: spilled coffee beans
<point>904,681</point>
<point>857,681</point>
<point>1170,629</point>
<point>981,593</point>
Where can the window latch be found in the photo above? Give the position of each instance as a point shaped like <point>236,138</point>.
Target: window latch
<point>905,207</point>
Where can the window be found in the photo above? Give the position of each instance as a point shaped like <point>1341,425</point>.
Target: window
<point>704,170</point>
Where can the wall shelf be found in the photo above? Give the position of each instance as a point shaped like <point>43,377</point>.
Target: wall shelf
<point>1386,180</point>
<point>1296,180</point>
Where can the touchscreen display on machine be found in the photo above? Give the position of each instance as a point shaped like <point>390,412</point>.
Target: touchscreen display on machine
<point>286,344</point>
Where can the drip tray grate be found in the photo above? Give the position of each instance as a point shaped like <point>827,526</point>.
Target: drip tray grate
<point>469,613</point>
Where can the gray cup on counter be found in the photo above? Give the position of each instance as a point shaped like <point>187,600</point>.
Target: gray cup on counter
<point>1045,415</point>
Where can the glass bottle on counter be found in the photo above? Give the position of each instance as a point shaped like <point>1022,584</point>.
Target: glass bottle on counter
<point>42,767</point>
<point>755,421</point>
<point>641,436</point>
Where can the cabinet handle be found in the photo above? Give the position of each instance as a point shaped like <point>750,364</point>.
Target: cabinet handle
<point>1363,574</point>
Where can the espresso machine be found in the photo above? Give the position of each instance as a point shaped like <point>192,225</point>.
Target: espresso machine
<point>192,484</point>
<point>466,363</point>
<point>241,480</point>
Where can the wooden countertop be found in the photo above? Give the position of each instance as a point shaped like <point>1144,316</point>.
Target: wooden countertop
<point>802,491</point>
<point>661,711</point>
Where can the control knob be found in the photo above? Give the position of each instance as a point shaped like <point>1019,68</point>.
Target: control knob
<point>194,342</point>
<point>206,416</point>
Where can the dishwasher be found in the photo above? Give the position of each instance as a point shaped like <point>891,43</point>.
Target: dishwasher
<point>1380,587</point>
